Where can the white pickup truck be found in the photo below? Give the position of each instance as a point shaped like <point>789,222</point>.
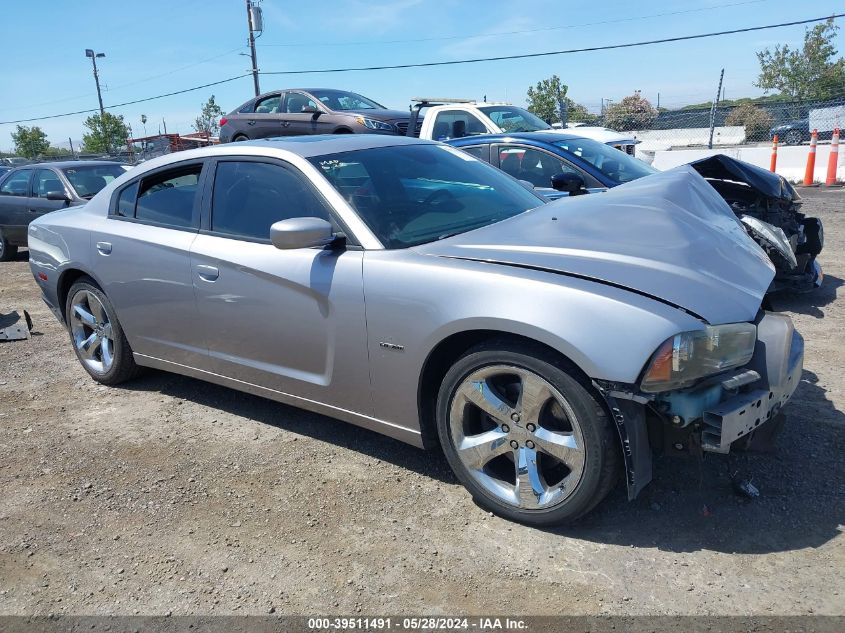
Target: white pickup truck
<point>446,119</point>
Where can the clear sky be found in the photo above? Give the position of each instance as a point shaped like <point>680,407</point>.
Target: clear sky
<point>158,46</point>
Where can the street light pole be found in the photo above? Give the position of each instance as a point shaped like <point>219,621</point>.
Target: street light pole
<point>90,53</point>
<point>253,14</point>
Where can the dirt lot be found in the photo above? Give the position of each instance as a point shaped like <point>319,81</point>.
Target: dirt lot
<point>172,495</point>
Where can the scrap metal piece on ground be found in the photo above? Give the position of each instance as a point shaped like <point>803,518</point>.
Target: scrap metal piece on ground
<point>744,487</point>
<point>15,328</point>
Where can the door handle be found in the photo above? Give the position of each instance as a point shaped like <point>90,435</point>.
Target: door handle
<point>104,248</point>
<point>208,273</point>
<point>250,122</point>
<point>285,123</point>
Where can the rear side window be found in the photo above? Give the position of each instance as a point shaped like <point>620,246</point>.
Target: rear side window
<point>169,197</point>
<point>17,184</point>
<point>250,196</point>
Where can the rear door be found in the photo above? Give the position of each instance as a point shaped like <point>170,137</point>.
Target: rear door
<point>288,320</point>
<point>268,119</point>
<point>141,257</point>
<point>14,205</point>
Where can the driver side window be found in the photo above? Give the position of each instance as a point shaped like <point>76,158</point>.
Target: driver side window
<point>532,165</point>
<point>250,196</point>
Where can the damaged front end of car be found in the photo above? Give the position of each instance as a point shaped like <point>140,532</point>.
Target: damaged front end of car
<point>707,391</point>
<point>770,210</point>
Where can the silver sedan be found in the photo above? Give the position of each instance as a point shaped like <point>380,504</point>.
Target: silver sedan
<point>406,287</point>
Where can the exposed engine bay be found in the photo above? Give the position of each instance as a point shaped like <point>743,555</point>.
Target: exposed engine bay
<point>769,208</point>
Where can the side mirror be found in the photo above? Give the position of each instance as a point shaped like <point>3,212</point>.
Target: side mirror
<point>311,110</point>
<point>571,183</point>
<point>301,233</point>
<point>57,195</point>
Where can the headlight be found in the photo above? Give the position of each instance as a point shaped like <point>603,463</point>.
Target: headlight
<point>689,356</point>
<point>373,124</point>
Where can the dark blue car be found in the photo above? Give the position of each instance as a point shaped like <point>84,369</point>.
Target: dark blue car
<point>537,157</point>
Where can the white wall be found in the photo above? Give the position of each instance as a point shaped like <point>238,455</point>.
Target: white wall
<point>792,160</point>
<point>686,137</point>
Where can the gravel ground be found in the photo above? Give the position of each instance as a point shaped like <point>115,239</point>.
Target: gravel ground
<point>169,495</point>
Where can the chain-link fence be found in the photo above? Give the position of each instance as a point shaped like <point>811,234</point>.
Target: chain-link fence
<point>732,124</point>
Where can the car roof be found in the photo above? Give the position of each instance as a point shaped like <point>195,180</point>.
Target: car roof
<point>64,164</point>
<point>306,146</point>
<point>537,137</point>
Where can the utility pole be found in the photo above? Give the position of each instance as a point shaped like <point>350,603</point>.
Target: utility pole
<point>90,53</point>
<point>255,22</point>
<point>713,109</point>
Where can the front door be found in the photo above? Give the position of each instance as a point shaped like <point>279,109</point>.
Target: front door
<point>288,320</point>
<point>46,181</point>
<point>299,123</point>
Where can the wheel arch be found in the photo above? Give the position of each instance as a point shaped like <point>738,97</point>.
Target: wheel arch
<point>67,278</point>
<point>342,130</point>
<point>444,354</point>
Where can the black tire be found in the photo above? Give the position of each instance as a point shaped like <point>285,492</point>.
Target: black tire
<point>602,457</point>
<point>793,137</point>
<point>7,251</point>
<point>123,365</point>
<point>239,138</point>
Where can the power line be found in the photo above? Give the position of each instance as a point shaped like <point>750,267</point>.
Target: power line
<point>550,53</point>
<point>127,103</point>
<point>523,32</point>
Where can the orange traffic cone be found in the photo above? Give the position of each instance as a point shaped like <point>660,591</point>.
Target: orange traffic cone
<point>774,162</point>
<point>811,159</point>
<point>833,159</point>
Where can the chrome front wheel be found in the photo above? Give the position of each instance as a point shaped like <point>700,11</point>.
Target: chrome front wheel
<point>517,436</point>
<point>528,438</point>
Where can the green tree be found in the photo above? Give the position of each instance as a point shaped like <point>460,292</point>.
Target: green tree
<point>105,134</point>
<point>548,101</point>
<point>812,72</point>
<point>633,112</point>
<point>30,142</point>
<point>757,121</point>
<point>208,120</point>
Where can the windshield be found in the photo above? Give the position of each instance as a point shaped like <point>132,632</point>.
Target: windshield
<point>342,100</point>
<point>413,194</point>
<point>513,119</point>
<point>87,180</point>
<point>618,166</point>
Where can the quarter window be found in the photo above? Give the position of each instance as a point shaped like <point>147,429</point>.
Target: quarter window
<point>17,184</point>
<point>250,196</point>
<point>169,197</point>
<point>126,201</point>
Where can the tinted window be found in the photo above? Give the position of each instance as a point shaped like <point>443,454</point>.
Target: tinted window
<point>168,197</point>
<point>46,180</point>
<point>126,201</point>
<point>296,101</point>
<point>532,165</point>
<point>414,194</point>
<point>250,196</point>
<point>269,105</point>
<point>17,184</point>
<point>479,151</point>
<point>342,100</point>
<point>87,180</point>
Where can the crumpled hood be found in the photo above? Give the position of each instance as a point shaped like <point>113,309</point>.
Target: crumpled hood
<point>668,235</point>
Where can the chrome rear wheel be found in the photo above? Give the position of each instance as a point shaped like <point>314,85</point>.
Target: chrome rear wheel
<point>91,330</point>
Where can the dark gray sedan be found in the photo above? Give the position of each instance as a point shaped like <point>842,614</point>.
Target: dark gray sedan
<point>310,111</point>
<point>31,191</point>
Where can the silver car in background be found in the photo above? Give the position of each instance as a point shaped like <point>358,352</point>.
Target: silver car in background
<point>409,288</point>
